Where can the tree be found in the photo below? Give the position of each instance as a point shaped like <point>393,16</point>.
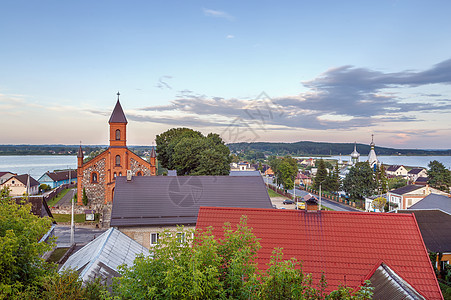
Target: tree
<point>321,175</point>
<point>439,176</point>
<point>333,180</point>
<point>360,183</point>
<point>84,198</point>
<point>396,182</point>
<point>191,153</point>
<point>379,203</point>
<point>20,232</point>
<point>285,170</point>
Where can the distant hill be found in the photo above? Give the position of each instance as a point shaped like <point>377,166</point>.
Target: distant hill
<point>320,148</point>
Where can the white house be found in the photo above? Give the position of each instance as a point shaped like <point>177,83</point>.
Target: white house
<point>396,170</point>
<point>17,185</point>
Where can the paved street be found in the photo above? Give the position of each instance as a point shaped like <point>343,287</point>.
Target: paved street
<point>67,198</point>
<point>83,235</point>
<point>327,203</point>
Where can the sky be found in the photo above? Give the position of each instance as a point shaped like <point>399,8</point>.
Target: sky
<point>275,71</point>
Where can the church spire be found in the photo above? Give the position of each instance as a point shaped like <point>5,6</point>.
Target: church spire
<point>118,115</point>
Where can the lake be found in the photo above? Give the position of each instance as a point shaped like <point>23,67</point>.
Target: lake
<point>36,165</point>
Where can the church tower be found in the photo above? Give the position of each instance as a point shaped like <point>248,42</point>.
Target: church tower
<point>355,155</point>
<point>372,158</point>
<point>118,126</point>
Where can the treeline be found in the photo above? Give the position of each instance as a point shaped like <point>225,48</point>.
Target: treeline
<point>305,148</point>
<point>61,149</point>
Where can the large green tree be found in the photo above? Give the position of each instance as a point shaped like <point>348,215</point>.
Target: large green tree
<point>360,182</point>
<point>321,175</point>
<point>191,153</point>
<point>285,170</point>
<point>439,176</point>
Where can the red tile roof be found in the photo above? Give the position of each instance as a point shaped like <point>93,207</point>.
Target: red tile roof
<point>346,246</point>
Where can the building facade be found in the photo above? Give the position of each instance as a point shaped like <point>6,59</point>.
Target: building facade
<point>98,175</point>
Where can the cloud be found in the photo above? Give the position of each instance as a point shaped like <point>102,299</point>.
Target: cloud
<point>217,14</point>
<point>230,36</point>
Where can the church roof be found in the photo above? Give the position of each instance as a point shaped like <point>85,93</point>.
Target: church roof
<point>152,153</point>
<point>354,153</point>
<point>118,115</point>
<point>80,152</point>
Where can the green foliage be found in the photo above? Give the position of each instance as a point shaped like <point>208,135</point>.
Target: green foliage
<point>45,187</point>
<point>202,267</point>
<point>381,180</point>
<point>191,153</point>
<point>20,232</point>
<point>379,203</point>
<point>439,176</point>
<point>360,183</point>
<point>321,175</point>
<point>85,198</point>
<point>396,182</point>
<point>93,154</point>
<point>285,170</point>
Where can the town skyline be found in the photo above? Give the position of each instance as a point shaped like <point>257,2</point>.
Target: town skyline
<point>323,72</point>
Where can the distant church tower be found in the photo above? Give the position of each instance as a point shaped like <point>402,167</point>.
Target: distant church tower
<point>98,175</point>
<point>372,158</point>
<point>355,156</point>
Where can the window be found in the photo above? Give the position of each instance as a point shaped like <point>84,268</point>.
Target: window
<point>180,237</point>
<point>114,176</point>
<point>118,134</point>
<point>154,238</point>
<point>118,160</point>
<point>139,173</point>
<point>120,173</point>
<point>94,177</point>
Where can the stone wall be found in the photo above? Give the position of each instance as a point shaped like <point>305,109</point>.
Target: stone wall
<point>135,166</point>
<point>95,191</point>
<point>141,234</point>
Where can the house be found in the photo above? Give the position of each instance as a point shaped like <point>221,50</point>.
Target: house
<point>421,181</point>
<point>101,257</point>
<point>435,227</point>
<point>369,203</point>
<point>269,172</point>
<point>347,247</point>
<point>57,178</point>
<point>145,206</point>
<point>241,166</point>
<point>415,173</point>
<point>5,176</point>
<point>302,179</point>
<point>406,196</point>
<point>396,170</point>
<point>434,201</point>
<point>98,175</point>
<point>17,185</point>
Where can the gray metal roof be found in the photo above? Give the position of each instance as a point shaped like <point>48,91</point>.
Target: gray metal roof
<point>389,285</point>
<point>245,173</point>
<point>166,200</point>
<point>434,201</point>
<point>435,227</point>
<point>406,189</point>
<point>102,256</point>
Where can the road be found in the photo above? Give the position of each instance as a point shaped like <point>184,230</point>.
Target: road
<point>324,202</point>
<point>67,198</point>
<point>83,235</point>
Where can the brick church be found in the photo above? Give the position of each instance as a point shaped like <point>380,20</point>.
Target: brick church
<point>98,175</point>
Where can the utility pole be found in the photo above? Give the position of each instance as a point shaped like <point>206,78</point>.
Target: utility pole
<point>72,225</point>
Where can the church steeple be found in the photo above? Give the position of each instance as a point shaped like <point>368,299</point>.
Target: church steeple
<point>372,158</point>
<point>118,126</point>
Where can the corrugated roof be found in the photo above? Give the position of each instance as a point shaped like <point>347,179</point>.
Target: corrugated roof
<point>415,171</point>
<point>159,200</point>
<point>406,189</point>
<point>245,173</point>
<point>344,245</point>
<point>118,115</point>
<point>103,255</point>
<point>393,168</point>
<point>62,175</point>
<point>434,201</point>
<point>435,227</point>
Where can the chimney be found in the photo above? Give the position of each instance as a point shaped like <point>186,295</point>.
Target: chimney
<point>129,175</point>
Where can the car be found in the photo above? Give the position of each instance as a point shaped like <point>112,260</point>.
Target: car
<point>300,205</point>
<point>288,201</point>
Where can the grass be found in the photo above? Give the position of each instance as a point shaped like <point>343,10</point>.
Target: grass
<point>57,254</point>
<point>78,218</point>
<point>55,200</point>
<point>273,194</point>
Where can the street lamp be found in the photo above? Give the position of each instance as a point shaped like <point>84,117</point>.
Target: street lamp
<point>320,193</point>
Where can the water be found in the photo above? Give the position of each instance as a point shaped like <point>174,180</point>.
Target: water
<point>36,165</point>
<point>410,161</point>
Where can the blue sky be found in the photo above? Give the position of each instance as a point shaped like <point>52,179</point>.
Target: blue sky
<point>334,71</point>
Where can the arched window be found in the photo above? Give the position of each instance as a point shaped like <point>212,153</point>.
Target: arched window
<point>118,134</point>
<point>94,177</point>
<point>118,160</point>
<point>114,176</point>
<point>120,173</point>
<point>139,173</point>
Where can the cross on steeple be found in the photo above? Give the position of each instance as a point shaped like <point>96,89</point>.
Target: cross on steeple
<point>118,94</point>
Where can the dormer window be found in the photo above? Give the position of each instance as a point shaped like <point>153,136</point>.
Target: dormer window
<point>118,134</point>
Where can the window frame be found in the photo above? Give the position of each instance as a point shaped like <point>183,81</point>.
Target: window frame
<point>157,238</point>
